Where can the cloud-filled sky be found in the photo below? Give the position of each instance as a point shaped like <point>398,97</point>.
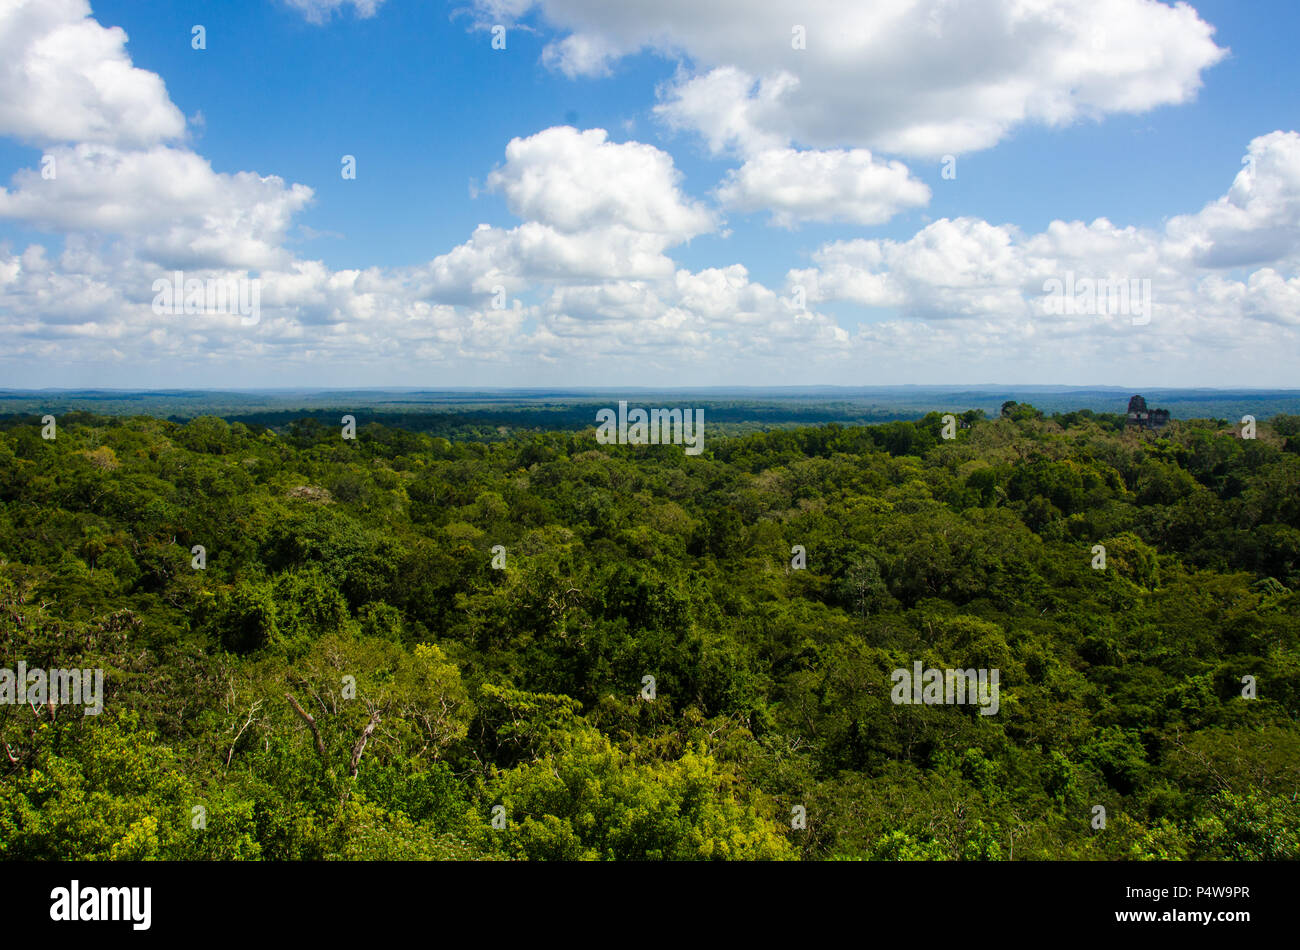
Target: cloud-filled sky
<point>651,192</point>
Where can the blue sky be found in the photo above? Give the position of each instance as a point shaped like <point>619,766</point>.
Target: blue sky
<point>839,254</point>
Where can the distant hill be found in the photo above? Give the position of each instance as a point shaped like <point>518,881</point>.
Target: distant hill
<point>730,408</point>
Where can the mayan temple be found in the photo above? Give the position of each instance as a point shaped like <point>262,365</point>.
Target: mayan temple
<point>1139,415</point>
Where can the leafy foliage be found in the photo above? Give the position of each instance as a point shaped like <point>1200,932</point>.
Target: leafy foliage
<point>349,677</point>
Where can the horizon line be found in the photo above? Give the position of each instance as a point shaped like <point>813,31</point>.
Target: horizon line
<point>973,387</point>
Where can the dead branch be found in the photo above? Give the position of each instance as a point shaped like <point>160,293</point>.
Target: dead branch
<point>311,723</point>
<point>252,712</point>
<point>361,743</point>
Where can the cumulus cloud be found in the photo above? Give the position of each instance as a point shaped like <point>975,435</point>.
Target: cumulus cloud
<point>709,318</point>
<point>960,292</point>
<point>986,286</point>
<point>839,185</point>
<point>66,78</point>
<point>1258,220</point>
<point>588,269</point>
<point>108,170</point>
<point>167,202</point>
<point>591,208</point>
<point>520,257</point>
<point>575,181</point>
<point>926,78</point>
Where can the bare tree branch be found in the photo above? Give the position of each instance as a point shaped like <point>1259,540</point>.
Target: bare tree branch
<point>311,723</point>
<point>252,712</point>
<point>361,743</point>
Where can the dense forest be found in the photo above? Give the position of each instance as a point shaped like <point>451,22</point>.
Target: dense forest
<point>537,646</point>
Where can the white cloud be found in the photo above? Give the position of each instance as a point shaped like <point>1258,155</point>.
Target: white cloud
<point>922,78</point>
<point>1258,220</point>
<point>980,287</point>
<point>319,11</point>
<point>532,253</point>
<point>592,209</point>
<point>68,79</point>
<point>595,214</point>
<point>1270,297</point>
<point>727,106</point>
<point>714,315</point>
<point>960,299</point>
<point>576,181</point>
<point>590,260</point>
<point>950,269</point>
<point>838,185</point>
<point>167,202</point>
